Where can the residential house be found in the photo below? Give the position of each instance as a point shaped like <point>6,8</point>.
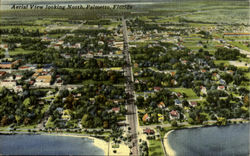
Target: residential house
<point>8,83</point>
<point>157,89</point>
<point>116,109</point>
<point>193,103</point>
<point>43,81</point>
<point>203,90</point>
<point>2,73</point>
<point>146,118</point>
<point>174,115</point>
<point>178,94</point>
<point>148,131</point>
<point>215,76</point>
<point>221,88</point>
<point>161,105</point>
<point>222,82</point>
<point>177,102</point>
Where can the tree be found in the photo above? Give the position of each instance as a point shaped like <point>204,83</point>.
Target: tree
<point>221,121</point>
<point>26,121</point>
<point>174,123</point>
<point>26,102</point>
<point>105,124</point>
<point>4,120</point>
<point>246,100</point>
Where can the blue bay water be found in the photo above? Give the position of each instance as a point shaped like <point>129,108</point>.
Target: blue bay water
<point>47,145</point>
<point>230,140</point>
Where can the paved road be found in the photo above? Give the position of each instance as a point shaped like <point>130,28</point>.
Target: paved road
<point>132,115</point>
<point>186,123</point>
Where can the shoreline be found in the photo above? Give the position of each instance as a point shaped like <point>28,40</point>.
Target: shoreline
<point>99,143</point>
<point>171,152</point>
<point>168,148</point>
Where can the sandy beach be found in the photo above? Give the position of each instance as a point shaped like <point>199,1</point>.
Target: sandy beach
<point>168,148</point>
<point>122,150</point>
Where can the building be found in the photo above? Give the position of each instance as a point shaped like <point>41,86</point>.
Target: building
<point>10,84</point>
<point>9,65</point>
<point>43,81</point>
<point>148,131</point>
<point>174,115</point>
<point>116,109</point>
<point>178,102</point>
<point>2,73</point>
<point>221,88</point>
<point>145,118</point>
<point>161,105</point>
<point>203,90</point>
<point>193,103</point>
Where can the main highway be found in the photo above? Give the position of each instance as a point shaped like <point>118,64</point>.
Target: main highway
<point>132,111</point>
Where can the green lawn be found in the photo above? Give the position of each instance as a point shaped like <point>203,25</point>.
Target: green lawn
<point>45,109</point>
<point>218,62</point>
<point>18,51</point>
<point>189,92</point>
<point>240,45</point>
<point>155,148</point>
<point>247,75</point>
<point>50,123</point>
<point>75,69</point>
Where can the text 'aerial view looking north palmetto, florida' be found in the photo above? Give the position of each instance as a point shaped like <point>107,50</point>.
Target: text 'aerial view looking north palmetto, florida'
<point>125,77</point>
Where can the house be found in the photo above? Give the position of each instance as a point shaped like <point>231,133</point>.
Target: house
<point>100,43</point>
<point>174,115</point>
<point>157,89</point>
<point>203,70</point>
<point>230,72</point>
<point>6,65</point>
<point>4,46</point>
<point>177,102</point>
<point>148,131</point>
<point>223,82</point>
<point>221,88</point>
<point>174,82</point>
<point>145,118</point>
<point>116,109</point>
<point>161,105</point>
<point>18,88</point>
<point>2,73</point>
<point>8,84</point>
<point>48,67</point>
<point>184,61</point>
<point>172,73</point>
<point>203,90</point>
<point>178,94</point>
<point>43,80</point>
<point>215,76</point>
<point>31,82</point>
<point>60,110</point>
<point>28,67</point>
<point>193,103</point>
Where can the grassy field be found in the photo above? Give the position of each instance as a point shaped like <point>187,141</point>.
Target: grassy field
<point>189,92</point>
<point>155,148</point>
<point>247,75</point>
<point>18,51</point>
<point>240,45</point>
<point>217,62</point>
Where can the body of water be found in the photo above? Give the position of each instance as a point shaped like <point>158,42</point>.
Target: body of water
<point>47,145</point>
<point>230,140</point>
